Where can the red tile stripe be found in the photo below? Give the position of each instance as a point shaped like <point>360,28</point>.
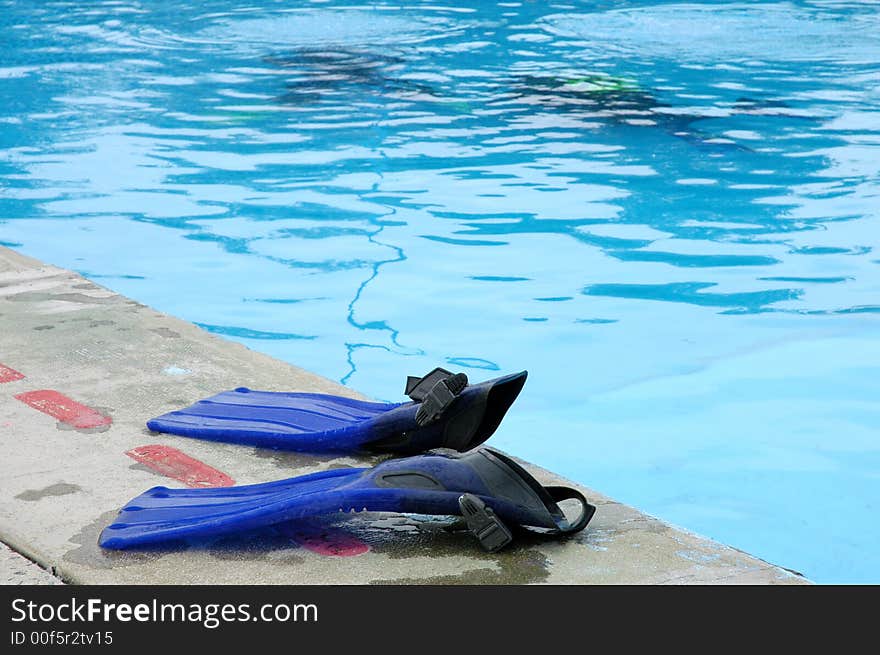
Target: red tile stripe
<point>172,463</point>
<point>324,540</point>
<point>64,409</point>
<point>9,374</point>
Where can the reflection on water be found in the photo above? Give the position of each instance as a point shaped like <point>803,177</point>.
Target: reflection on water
<point>667,214</point>
<point>712,32</point>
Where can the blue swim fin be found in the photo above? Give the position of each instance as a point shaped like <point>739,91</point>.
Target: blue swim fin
<point>484,486</point>
<point>445,412</point>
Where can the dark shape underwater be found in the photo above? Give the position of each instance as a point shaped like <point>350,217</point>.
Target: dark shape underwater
<point>318,74</point>
<point>623,102</point>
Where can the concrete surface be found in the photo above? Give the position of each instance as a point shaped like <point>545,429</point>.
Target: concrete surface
<point>18,570</point>
<point>61,485</point>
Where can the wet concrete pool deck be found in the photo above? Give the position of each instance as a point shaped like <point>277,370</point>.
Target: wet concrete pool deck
<point>82,369</point>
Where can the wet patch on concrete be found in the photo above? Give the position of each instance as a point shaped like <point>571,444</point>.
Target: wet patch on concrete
<point>91,555</point>
<point>324,539</point>
<point>517,566</point>
<point>698,557</point>
<point>289,459</point>
<point>641,524</point>
<point>263,545</point>
<point>60,489</point>
<point>166,333</point>
<point>405,537</point>
<point>596,537</point>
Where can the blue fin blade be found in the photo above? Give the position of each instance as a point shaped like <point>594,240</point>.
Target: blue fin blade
<point>288,420</point>
<point>162,514</point>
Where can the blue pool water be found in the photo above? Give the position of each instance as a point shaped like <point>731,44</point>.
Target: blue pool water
<point>666,212</point>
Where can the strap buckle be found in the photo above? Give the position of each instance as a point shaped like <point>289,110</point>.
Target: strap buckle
<point>484,524</point>
<point>435,391</point>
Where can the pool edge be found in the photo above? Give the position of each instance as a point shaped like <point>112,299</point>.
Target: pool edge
<point>123,359</point>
